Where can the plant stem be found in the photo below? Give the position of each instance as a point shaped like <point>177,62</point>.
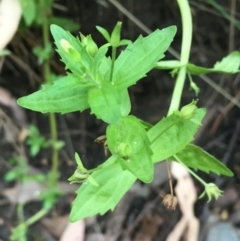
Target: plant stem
<point>190,171</point>
<point>37,216</point>
<point>114,51</point>
<point>170,178</point>
<point>47,77</point>
<point>185,52</point>
<point>20,215</point>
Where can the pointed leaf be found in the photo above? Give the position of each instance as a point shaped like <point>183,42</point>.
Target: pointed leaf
<point>116,35</point>
<point>91,200</point>
<point>132,147</point>
<point>28,11</point>
<point>104,33</point>
<point>141,56</point>
<point>228,65</point>
<point>195,157</point>
<point>172,134</point>
<point>67,94</point>
<point>104,103</point>
<point>125,103</point>
<point>77,65</point>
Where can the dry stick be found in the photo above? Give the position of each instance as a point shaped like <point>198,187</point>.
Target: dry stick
<point>170,178</point>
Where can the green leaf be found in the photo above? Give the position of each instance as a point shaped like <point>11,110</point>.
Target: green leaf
<point>104,103</point>
<point>67,94</point>
<point>141,56</point>
<point>91,200</point>
<point>195,157</point>
<point>228,65</point>
<point>173,133</point>
<point>132,147</point>
<point>116,35</point>
<point>125,42</point>
<point>28,11</point>
<point>98,70</point>
<point>104,33</point>
<point>125,104</point>
<point>75,57</point>
<point>65,23</point>
<point>43,53</point>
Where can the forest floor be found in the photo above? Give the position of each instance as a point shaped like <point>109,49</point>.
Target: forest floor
<point>140,216</point>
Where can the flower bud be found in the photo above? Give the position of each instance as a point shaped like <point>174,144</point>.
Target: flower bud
<point>211,190</point>
<point>78,176</point>
<point>124,150</point>
<point>187,111</point>
<point>68,48</point>
<point>170,201</point>
<point>91,46</point>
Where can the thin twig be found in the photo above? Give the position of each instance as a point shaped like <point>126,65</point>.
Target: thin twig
<point>170,178</point>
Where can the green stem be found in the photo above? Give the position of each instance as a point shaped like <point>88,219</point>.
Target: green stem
<point>47,77</point>
<point>185,52</point>
<point>114,52</point>
<point>20,215</point>
<point>190,171</point>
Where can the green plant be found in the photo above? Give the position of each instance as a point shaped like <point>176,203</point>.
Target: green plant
<point>36,141</point>
<point>38,13</point>
<point>20,173</point>
<point>101,83</point>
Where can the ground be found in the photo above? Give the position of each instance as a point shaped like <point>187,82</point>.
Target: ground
<point>140,215</point>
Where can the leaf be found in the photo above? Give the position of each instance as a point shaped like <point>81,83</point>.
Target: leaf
<point>65,23</point>
<point>67,94</point>
<point>99,64</point>
<point>125,104</point>
<point>132,147</point>
<point>195,157</point>
<point>43,53</point>
<point>228,65</point>
<point>104,103</point>
<point>141,56</point>
<point>91,200</point>
<point>77,66</point>
<point>172,134</point>
<point>28,11</point>
<point>115,36</point>
<point>104,33</point>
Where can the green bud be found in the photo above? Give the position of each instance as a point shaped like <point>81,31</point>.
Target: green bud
<point>211,190</point>
<point>68,48</point>
<point>124,150</point>
<point>187,111</point>
<point>78,176</point>
<point>65,45</point>
<point>115,36</point>
<point>91,46</point>
<point>81,174</point>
